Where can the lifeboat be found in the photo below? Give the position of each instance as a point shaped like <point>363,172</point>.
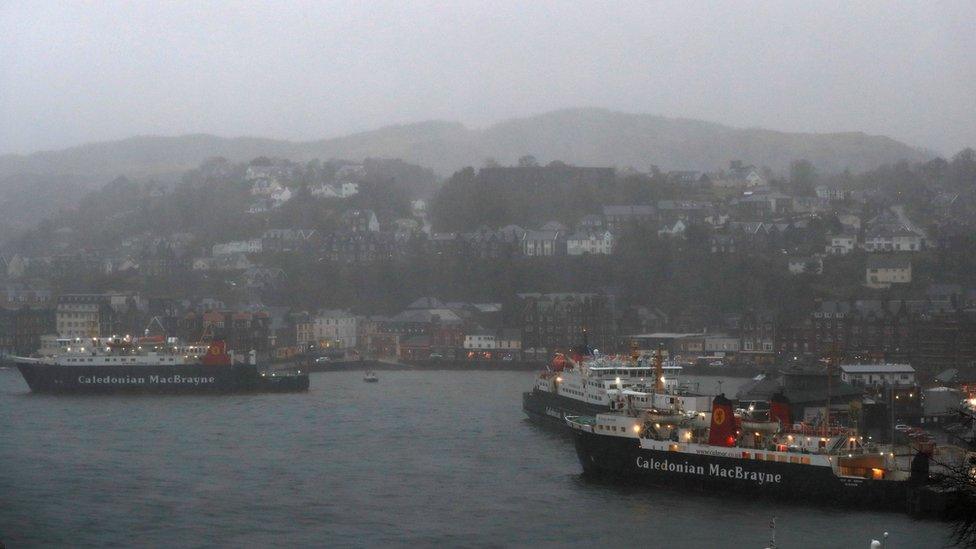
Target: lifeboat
<point>761,426</point>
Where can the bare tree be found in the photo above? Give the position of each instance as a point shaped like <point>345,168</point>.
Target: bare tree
<point>958,481</point>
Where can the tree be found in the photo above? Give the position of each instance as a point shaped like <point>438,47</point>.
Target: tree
<point>803,177</point>
<point>528,161</point>
<point>958,480</point>
<point>962,170</point>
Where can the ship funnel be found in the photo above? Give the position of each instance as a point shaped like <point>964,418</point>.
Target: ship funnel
<point>216,354</point>
<point>722,429</point>
<point>779,410</point>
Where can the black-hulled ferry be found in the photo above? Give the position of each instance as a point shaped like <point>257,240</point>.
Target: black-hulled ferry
<point>583,383</point>
<point>722,451</point>
<point>151,365</point>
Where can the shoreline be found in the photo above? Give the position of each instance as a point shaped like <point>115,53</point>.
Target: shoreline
<point>482,365</point>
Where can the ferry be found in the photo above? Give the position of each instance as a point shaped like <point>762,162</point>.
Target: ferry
<point>584,383</point>
<point>150,365</point>
<point>752,452</point>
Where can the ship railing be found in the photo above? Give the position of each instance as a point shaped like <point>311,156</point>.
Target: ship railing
<point>819,431</point>
<point>582,423</point>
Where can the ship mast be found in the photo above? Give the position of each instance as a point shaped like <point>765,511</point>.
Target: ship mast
<point>830,362</point>
<point>658,371</point>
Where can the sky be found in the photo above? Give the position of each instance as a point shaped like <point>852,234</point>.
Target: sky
<point>73,72</point>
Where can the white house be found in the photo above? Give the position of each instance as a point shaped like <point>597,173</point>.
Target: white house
<point>251,246</point>
<point>348,188</point>
<point>841,244</point>
<point>419,207</point>
<point>543,243</point>
<point>882,272</point>
<point>831,193</point>
<point>753,178</point>
<point>331,328</point>
<point>720,345</point>
<point>343,190</point>
<point>590,243</point>
<point>901,240</point>
<point>874,375</point>
<point>480,341</point>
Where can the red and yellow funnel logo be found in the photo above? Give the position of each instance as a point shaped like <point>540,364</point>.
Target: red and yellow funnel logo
<point>718,416</point>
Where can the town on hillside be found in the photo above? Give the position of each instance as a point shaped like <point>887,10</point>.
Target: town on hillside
<point>739,267</point>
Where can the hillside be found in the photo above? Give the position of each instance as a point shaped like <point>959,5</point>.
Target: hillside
<point>577,136</point>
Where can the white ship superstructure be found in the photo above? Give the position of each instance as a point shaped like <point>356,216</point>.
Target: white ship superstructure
<point>591,384</point>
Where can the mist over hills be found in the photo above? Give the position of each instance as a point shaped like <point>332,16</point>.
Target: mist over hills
<point>577,136</point>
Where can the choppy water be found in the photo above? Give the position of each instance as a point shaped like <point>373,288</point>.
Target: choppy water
<point>421,458</point>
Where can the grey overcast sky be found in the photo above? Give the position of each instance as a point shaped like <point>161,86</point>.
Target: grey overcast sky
<point>75,72</point>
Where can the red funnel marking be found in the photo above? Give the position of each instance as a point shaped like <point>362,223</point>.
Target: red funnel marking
<point>722,430</point>
<point>216,354</point>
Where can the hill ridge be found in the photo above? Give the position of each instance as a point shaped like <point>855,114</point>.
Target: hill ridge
<point>588,135</point>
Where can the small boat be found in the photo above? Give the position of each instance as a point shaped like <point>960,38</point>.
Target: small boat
<point>371,377</point>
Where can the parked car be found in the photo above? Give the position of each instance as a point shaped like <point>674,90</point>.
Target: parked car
<point>436,356</point>
<point>508,358</point>
<point>902,428</point>
<point>322,359</point>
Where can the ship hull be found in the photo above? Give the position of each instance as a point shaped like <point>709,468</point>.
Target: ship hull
<point>622,459</point>
<point>157,379</point>
<point>552,409</point>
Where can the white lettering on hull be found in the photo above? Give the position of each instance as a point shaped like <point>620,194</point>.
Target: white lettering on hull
<point>152,380</point>
<point>714,470</point>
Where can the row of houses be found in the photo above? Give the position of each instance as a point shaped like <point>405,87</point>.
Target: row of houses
<point>272,184</point>
<point>880,240</point>
<point>531,326</point>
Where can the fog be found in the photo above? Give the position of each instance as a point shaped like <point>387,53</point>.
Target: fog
<point>75,73</point>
